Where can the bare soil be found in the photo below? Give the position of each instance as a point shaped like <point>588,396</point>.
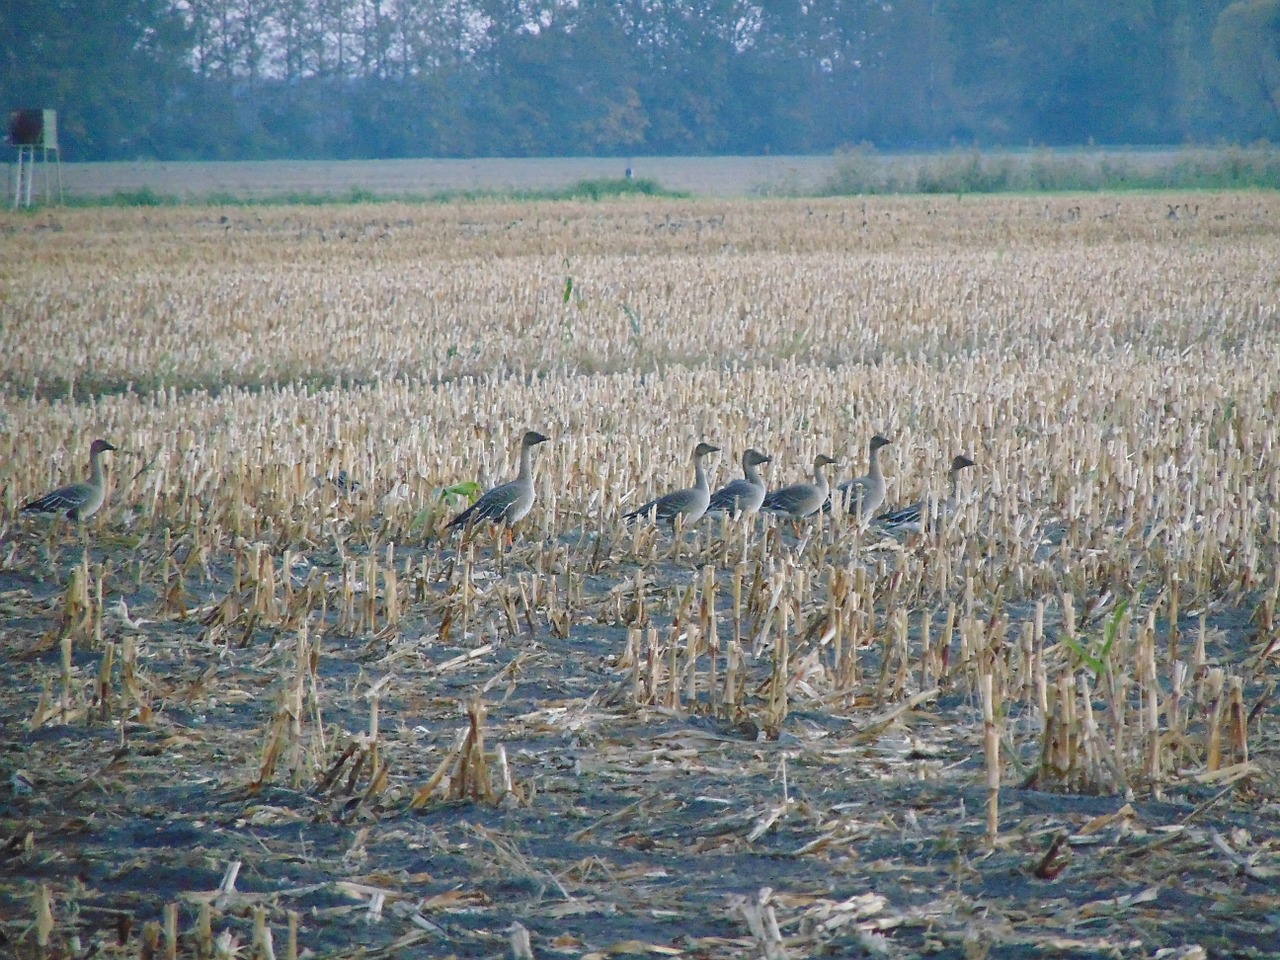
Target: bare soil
<point>633,830</point>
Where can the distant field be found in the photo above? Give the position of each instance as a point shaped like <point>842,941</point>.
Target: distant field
<point>701,176</point>
<point>266,689</point>
<point>706,177</point>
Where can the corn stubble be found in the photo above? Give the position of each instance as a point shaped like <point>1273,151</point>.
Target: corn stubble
<point>1111,372</point>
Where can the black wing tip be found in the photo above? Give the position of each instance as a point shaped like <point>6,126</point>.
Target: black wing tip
<point>461,518</point>
<point>900,517</point>
<point>482,509</point>
<point>49,503</point>
<point>641,510</point>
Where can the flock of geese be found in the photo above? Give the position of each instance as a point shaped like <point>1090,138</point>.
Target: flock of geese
<point>508,503</point>
<point>860,497</point>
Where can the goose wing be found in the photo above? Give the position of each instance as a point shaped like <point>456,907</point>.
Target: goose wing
<point>64,498</point>
<point>740,494</point>
<point>492,505</point>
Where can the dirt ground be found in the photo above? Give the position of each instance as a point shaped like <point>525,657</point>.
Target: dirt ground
<point>630,830</point>
<point>235,722</point>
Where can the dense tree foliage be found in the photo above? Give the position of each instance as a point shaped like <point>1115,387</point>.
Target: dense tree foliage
<point>1247,47</point>
<point>389,78</point>
<point>114,69</point>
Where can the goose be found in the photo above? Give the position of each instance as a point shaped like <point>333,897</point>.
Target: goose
<point>507,503</point>
<point>862,496</point>
<point>745,495</point>
<point>802,499</point>
<point>79,501</point>
<point>690,503</point>
<point>927,513</point>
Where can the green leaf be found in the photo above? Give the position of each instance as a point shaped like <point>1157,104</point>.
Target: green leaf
<point>447,495</point>
<point>633,317</point>
<point>1113,628</point>
<point>1083,655</point>
<point>568,288</point>
<point>468,488</point>
<point>1076,647</point>
<point>422,518</point>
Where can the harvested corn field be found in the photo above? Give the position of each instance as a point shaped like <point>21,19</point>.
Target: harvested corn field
<point>264,702</point>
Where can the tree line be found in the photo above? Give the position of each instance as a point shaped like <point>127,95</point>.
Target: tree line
<point>246,79</point>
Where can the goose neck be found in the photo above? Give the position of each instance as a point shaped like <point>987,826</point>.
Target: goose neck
<point>95,468</point>
<point>526,463</point>
<point>874,471</point>
<point>700,473</point>
<point>820,478</point>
